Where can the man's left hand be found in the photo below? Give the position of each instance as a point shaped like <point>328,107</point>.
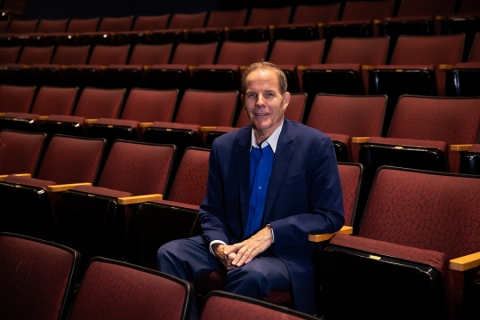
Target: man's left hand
<point>250,248</point>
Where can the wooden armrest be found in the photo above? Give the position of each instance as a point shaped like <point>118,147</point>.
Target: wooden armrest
<point>360,139</point>
<point>65,187</point>
<point>302,68</point>
<point>2,114</point>
<point>191,68</point>
<point>377,21</point>
<point>460,147</point>
<point>64,67</point>
<point>42,118</point>
<point>243,68</point>
<point>465,263</point>
<point>328,236</point>
<point>103,68</point>
<point>147,67</point>
<point>139,199</point>
<point>367,67</point>
<point>445,66</point>
<point>439,18</point>
<point>3,176</point>
<point>145,124</point>
<point>321,24</point>
<point>90,121</point>
<point>208,128</point>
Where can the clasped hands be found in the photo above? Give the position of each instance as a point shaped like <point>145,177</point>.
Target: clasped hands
<point>238,254</point>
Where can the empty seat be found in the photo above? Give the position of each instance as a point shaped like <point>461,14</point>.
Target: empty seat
<point>109,286</point>
<point>305,22</point>
<point>344,117</point>
<point>73,32</point>
<point>408,266</point>
<point>421,132</point>
<point>415,68</point>
<point>142,29</point>
<point>9,54</point>
<point>49,100</point>
<point>295,112</point>
<point>29,205</point>
<point>93,103</point>
<point>13,9</point>
<point>197,108</point>
<point>16,98</point>
<point>187,21</point>
<point>293,57</point>
<point>21,152</point>
<point>13,73</point>
<point>53,73</point>
<point>220,304</point>
<point>174,217</point>
<point>346,67</point>
<point>358,19</point>
<point>257,27</point>
<point>15,29</point>
<point>90,74</point>
<point>176,75</point>
<point>132,74</point>
<point>37,278</point>
<point>226,73</point>
<point>97,219</point>
<point>45,26</point>
<point>142,105</point>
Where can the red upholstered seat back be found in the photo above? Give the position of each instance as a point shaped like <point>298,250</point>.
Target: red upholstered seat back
<point>297,52</point>
<point>425,7</point>
<point>22,26</point>
<point>20,152</point>
<point>145,54</point>
<point>190,182</point>
<point>109,286</point>
<point>207,108</point>
<point>150,105</point>
<point>66,55</point>
<point>315,14</point>
<point>151,22</point>
<point>367,10</point>
<point>350,177</point>
<point>431,211</point>
<point>370,51</point>
<point>9,54</point>
<point>31,55</point>
<point>52,100</point>
<point>16,98</point>
<point>356,116</point>
<point>116,24</point>
<point>194,54</point>
<point>242,53</point>
<point>48,26</point>
<point>83,25</point>
<point>97,103</point>
<point>138,168</point>
<point>222,19</point>
<point>105,55</point>
<point>187,21</point>
<point>71,160</point>
<point>269,16</point>
<point>36,278</point>
<point>475,50</point>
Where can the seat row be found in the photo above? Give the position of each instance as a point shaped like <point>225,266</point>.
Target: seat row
<point>425,65</point>
<point>366,18</point>
<point>439,123</point>
<point>38,280</point>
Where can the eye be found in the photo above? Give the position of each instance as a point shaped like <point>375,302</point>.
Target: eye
<point>251,95</point>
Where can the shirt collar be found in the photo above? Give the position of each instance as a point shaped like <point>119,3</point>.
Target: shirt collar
<point>272,140</point>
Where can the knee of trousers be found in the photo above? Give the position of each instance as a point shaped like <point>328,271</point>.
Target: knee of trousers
<point>251,276</point>
<point>167,253</point>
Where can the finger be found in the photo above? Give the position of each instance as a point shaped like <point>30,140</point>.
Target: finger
<point>232,248</point>
<point>242,256</point>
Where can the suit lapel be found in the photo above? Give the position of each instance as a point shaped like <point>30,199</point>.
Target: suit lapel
<point>283,155</point>
<point>242,157</point>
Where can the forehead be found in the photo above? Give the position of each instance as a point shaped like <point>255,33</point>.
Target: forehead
<point>264,79</point>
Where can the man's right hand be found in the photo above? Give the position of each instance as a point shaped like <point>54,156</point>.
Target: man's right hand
<point>219,249</point>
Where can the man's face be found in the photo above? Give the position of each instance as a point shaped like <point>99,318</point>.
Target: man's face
<point>264,103</point>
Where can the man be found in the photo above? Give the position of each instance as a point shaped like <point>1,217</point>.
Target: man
<point>269,186</point>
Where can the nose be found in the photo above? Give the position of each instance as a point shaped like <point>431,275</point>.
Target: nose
<point>260,100</point>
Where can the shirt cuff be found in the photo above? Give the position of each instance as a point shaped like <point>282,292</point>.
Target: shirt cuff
<point>271,229</point>
<point>212,243</point>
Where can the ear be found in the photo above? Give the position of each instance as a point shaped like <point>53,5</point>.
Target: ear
<point>286,100</point>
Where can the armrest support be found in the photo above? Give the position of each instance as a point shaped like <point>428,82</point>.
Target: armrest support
<point>460,147</point>
<point>28,175</point>
<point>139,199</point>
<point>360,139</point>
<point>328,236</point>
<point>465,263</point>
<point>65,187</point>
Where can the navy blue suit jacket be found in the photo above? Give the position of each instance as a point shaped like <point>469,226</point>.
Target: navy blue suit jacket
<point>304,196</point>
